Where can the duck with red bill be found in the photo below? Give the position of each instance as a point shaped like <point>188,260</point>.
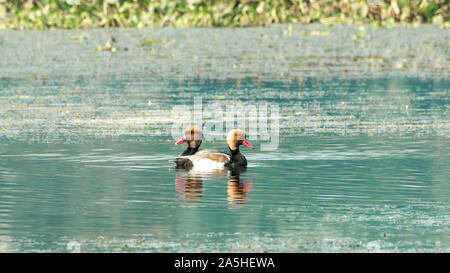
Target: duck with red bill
<point>193,137</point>
<point>235,138</point>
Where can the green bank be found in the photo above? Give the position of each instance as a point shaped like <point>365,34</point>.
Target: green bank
<point>49,14</point>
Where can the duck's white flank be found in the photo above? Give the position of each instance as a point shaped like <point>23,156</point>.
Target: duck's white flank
<point>205,164</point>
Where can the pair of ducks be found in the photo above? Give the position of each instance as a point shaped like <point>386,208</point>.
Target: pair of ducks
<point>210,158</point>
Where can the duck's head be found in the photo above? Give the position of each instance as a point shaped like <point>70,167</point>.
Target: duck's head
<point>192,136</point>
<point>236,138</point>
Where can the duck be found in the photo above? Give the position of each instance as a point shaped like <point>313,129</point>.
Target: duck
<point>211,158</point>
<point>192,136</point>
<point>236,138</point>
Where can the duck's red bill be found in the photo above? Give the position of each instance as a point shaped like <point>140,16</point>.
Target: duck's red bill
<point>245,143</point>
<point>181,140</point>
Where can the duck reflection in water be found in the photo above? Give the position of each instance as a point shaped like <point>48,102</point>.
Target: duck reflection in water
<point>238,189</point>
<point>189,184</point>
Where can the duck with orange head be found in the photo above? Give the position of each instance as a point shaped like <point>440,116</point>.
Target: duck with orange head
<point>193,138</point>
<point>236,138</point>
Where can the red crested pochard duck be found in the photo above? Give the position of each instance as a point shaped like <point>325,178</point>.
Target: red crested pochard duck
<point>236,138</point>
<point>210,158</point>
<point>193,138</point>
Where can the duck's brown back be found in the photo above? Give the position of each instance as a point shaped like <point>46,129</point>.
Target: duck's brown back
<point>215,155</point>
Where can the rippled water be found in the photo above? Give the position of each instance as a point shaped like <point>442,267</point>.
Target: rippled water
<point>362,164</point>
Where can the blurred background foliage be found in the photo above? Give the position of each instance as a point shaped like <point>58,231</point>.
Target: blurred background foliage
<point>47,14</point>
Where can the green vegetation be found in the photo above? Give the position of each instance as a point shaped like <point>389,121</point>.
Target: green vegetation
<point>45,14</point>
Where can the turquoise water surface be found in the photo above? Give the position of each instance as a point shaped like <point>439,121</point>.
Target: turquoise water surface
<point>362,163</point>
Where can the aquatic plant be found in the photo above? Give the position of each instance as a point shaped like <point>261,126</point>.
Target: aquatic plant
<point>47,14</point>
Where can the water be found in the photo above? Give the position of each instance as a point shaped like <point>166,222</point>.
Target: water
<point>362,164</point>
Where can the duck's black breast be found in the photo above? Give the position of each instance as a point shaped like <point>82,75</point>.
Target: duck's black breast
<point>237,159</point>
